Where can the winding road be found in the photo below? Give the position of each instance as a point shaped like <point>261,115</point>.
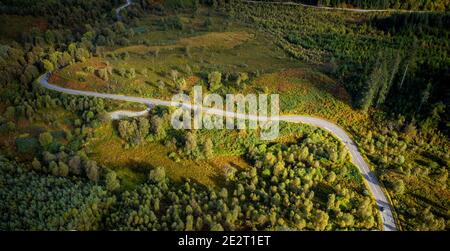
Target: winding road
<point>357,159</point>
<point>369,176</point>
<point>118,10</point>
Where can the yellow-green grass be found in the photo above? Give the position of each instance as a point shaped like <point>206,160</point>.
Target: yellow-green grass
<point>134,164</point>
<point>256,54</point>
<point>305,91</point>
<point>114,105</point>
<point>216,40</point>
<point>192,25</point>
<point>70,76</point>
<point>236,49</point>
<point>194,34</point>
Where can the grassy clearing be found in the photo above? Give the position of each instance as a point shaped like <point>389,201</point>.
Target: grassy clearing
<point>132,165</point>
<point>306,91</point>
<point>192,51</point>
<point>75,77</point>
<point>256,55</point>
<point>216,40</point>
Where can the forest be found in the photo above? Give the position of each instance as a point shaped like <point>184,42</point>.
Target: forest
<point>57,151</point>
<point>428,5</point>
<point>420,69</point>
<point>286,189</point>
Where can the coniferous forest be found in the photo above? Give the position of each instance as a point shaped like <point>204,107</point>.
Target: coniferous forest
<point>428,5</point>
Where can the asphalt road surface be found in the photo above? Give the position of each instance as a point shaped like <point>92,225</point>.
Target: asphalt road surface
<point>118,10</point>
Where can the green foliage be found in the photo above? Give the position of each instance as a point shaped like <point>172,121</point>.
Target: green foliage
<point>48,66</point>
<point>134,130</point>
<point>432,122</point>
<point>45,139</point>
<point>55,204</point>
<point>410,172</point>
<point>157,175</point>
<point>111,181</point>
<point>398,186</point>
<point>214,80</point>
<point>191,146</point>
<point>400,72</point>
<point>27,145</point>
<point>103,74</point>
<point>92,170</point>
<point>252,199</point>
<point>241,78</point>
<point>387,60</point>
<point>172,22</point>
<point>439,5</point>
<point>208,148</point>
